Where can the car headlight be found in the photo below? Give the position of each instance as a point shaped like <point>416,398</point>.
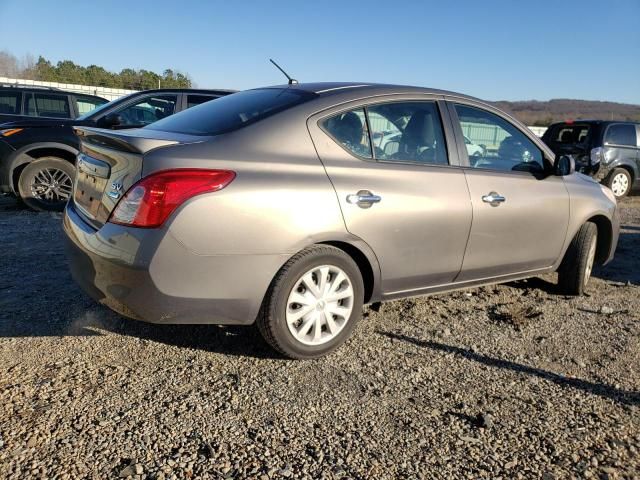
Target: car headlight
<point>596,155</point>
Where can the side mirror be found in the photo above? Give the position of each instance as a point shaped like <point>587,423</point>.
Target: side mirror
<point>110,121</point>
<point>565,165</point>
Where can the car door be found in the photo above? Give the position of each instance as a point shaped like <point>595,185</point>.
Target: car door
<point>520,212</point>
<point>405,194</point>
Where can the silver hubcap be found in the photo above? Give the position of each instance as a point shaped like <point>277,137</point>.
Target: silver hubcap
<point>319,305</point>
<point>590,258</point>
<point>52,185</point>
<point>620,184</point>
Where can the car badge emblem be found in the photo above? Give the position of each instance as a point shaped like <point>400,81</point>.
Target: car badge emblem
<point>116,190</point>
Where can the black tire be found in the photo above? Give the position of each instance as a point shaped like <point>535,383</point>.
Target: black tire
<point>29,186</point>
<point>616,173</point>
<point>575,270</point>
<point>272,322</point>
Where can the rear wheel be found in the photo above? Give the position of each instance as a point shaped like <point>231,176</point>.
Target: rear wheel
<point>46,183</point>
<point>575,269</point>
<point>619,181</point>
<point>313,304</point>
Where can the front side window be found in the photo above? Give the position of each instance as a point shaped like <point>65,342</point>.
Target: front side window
<point>496,144</point>
<point>193,100</point>
<point>408,132</point>
<point>9,103</point>
<point>349,129</point>
<point>148,110</point>
<point>47,105</point>
<point>88,104</point>
<point>621,134</point>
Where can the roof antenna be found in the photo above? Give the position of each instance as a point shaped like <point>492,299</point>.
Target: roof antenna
<point>292,81</point>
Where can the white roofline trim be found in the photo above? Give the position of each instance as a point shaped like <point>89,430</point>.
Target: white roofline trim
<point>342,88</point>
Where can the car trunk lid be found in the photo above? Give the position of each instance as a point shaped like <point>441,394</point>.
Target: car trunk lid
<point>110,162</point>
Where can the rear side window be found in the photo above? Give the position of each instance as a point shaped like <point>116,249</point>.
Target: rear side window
<point>621,134</point>
<point>88,104</point>
<point>408,132</point>
<point>47,105</point>
<point>9,103</point>
<point>233,111</point>
<point>349,129</point>
<point>405,132</point>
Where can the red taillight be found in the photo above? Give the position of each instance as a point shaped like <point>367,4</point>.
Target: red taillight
<point>149,202</point>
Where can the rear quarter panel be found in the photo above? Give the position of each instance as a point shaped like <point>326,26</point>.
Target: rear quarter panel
<point>280,201</point>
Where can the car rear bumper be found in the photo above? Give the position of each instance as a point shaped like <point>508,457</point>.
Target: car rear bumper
<point>147,274</point>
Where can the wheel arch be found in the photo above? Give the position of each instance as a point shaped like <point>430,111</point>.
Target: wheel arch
<point>31,152</point>
<point>605,237</point>
<point>369,277</point>
<point>630,168</point>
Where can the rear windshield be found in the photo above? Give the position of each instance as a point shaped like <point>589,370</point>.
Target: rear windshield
<point>232,112</point>
<point>569,134</point>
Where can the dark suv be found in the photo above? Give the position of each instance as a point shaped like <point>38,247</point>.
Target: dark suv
<point>606,150</point>
<point>19,102</point>
<point>37,156</point>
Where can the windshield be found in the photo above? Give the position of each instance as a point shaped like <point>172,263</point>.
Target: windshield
<point>103,107</point>
<point>233,111</point>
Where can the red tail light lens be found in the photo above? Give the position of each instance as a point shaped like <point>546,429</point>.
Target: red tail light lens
<point>149,202</point>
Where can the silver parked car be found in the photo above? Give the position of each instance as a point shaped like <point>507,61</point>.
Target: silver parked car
<point>274,206</point>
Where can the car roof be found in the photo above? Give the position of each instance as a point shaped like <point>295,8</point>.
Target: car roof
<point>219,91</point>
<point>366,89</point>
<point>42,88</point>
<point>38,88</point>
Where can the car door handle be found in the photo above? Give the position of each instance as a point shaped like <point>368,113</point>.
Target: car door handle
<point>493,198</point>
<point>364,199</point>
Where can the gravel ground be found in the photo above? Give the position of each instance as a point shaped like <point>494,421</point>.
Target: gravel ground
<point>512,381</point>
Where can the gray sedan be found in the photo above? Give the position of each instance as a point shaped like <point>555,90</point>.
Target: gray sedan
<point>275,206</point>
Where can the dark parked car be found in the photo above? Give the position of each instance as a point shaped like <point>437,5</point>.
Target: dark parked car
<point>37,156</point>
<point>18,102</point>
<point>606,150</point>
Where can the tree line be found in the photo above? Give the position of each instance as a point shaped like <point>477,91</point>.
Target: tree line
<point>66,71</point>
<point>542,114</point>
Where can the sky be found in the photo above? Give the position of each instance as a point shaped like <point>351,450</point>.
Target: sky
<point>492,49</point>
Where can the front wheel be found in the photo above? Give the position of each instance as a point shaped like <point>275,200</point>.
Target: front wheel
<point>576,266</point>
<point>313,303</point>
<point>619,181</point>
<point>46,184</point>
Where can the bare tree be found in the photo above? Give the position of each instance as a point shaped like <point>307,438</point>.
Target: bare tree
<point>28,67</point>
<point>9,66</point>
